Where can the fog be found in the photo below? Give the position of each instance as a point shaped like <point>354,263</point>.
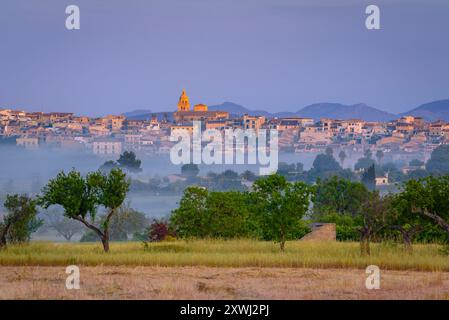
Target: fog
<point>27,171</point>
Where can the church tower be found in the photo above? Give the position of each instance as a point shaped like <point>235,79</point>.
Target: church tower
<point>183,103</point>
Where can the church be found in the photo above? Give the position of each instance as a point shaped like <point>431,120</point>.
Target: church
<point>200,112</point>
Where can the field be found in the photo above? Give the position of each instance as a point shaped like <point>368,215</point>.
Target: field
<point>233,253</point>
<point>106,282</point>
<point>218,269</point>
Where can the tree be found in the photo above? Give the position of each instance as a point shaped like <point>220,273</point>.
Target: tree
<point>404,220</point>
<point>429,198</point>
<point>363,163</point>
<point>212,214</point>
<point>439,160</point>
<point>373,219</point>
<point>20,220</point>
<point>367,153</point>
<point>81,196</point>
<point>190,170</point>
<point>190,218</point>
<point>249,176</point>
<point>342,157</point>
<point>129,161</point>
<point>325,162</point>
<point>108,166</point>
<point>369,178</point>
<point>292,171</point>
<point>324,166</point>
<point>417,174</point>
<point>379,156</point>
<point>281,205</point>
<point>64,226</point>
<point>127,221</point>
<point>337,195</point>
<point>228,215</point>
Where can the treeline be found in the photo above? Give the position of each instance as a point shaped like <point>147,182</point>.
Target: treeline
<point>325,166</point>
<point>279,210</point>
<point>275,208</point>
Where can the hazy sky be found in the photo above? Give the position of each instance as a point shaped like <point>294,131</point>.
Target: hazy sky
<point>277,55</point>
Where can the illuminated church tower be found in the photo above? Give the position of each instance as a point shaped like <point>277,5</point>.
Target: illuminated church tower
<point>183,103</point>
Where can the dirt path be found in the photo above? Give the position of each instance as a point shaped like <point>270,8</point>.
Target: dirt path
<point>218,283</point>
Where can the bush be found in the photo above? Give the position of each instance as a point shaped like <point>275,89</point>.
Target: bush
<point>158,231</point>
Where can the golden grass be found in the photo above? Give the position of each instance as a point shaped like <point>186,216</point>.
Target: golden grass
<point>232,253</point>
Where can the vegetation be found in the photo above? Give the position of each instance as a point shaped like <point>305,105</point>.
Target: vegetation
<point>228,253</point>
<point>205,214</point>
<point>429,198</point>
<point>127,161</point>
<point>20,220</point>
<point>64,226</point>
<point>190,170</point>
<point>125,223</point>
<point>280,206</point>
<point>439,160</point>
<point>81,196</point>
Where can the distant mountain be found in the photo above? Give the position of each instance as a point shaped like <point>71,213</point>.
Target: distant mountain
<point>341,111</point>
<point>430,111</point>
<point>315,111</point>
<point>136,113</point>
<point>139,114</point>
<point>436,110</point>
<point>147,114</point>
<point>237,110</point>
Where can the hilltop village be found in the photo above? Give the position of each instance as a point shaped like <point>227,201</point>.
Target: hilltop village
<point>111,135</point>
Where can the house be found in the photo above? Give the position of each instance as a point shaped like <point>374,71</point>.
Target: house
<point>106,146</point>
<point>382,181</point>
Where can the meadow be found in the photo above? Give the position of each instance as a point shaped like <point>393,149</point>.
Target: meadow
<point>229,254</point>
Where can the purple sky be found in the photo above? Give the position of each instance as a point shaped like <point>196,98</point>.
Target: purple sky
<point>277,55</point>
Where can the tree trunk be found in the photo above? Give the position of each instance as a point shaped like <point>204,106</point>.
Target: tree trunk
<point>3,240</point>
<point>282,240</point>
<point>365,244</point>
<point>104,236</point>
<point>3,235</point>
<point>105,241</point>
<point>368,248</point>
<point>407,242</point>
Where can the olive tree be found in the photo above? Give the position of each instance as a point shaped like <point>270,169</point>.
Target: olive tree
<point>81,196</point>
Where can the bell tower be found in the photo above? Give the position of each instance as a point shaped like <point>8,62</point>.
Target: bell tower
<point>183,103</point>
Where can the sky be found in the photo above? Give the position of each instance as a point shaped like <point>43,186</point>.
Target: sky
<point>276,55</point>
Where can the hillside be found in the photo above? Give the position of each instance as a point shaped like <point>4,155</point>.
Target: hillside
<point>341,111</point>
<point>432,111</point>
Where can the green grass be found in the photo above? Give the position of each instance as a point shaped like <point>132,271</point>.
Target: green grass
<point>233,253</point>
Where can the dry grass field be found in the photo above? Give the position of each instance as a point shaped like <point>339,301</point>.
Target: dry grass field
<point>218,269</point>
<point>106,282</point>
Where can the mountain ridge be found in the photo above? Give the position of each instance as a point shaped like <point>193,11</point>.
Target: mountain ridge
<point>431,111</point>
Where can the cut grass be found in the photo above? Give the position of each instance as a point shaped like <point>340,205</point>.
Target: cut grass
<point>232,253</point>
